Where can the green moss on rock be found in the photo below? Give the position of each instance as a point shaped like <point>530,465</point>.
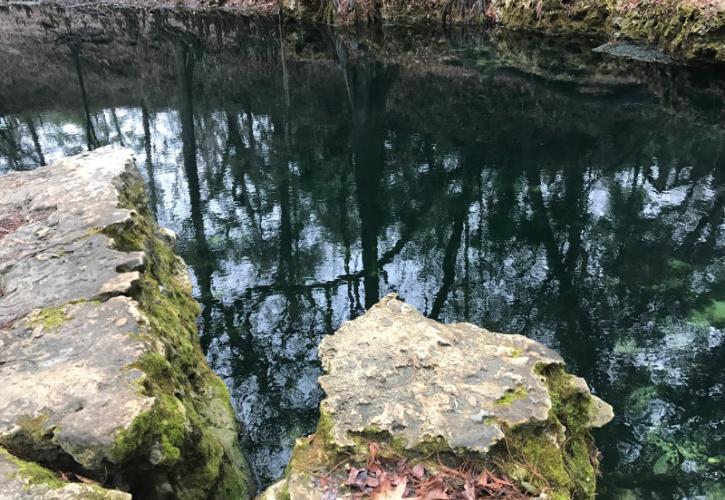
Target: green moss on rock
<point>48,318</point>
<point>557,456</point>
<point>33,473</point>
<point>177,435</point>
<point>512,395</point>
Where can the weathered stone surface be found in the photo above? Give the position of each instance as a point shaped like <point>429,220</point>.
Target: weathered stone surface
<point>66,389</point>
<point>395,370</point>
<point>26,481</point>
<point>101,372</point>
<point>420,388</point>
<point>55,257</point>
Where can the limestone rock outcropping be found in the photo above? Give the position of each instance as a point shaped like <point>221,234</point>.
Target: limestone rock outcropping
<point>425,391</point>
<point>101,372</point>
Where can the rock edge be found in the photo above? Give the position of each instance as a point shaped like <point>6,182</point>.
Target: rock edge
<point>101,372</point>
<point>427,392</point>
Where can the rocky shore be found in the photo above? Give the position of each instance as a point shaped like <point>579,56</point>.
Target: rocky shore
<point>414,402</point>
<point>105,393</point>
<point>104,390</point>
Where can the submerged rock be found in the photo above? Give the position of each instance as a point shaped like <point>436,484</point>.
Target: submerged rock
<point>101,372</point>
<point>636,51</point>
<point>424,391</point>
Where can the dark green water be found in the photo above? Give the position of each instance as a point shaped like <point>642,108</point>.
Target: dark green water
<point>522,184</point>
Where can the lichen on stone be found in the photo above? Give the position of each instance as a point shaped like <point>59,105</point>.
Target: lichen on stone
<point>557,456</point>
<point>48,318</point>
<point>31,472</point>
<point>512,395</point>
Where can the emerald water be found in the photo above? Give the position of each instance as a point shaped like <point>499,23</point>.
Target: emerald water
<point>520,183</point>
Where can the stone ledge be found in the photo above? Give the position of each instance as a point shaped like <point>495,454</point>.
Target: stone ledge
<point>101,372</point>
<point>430,394</point>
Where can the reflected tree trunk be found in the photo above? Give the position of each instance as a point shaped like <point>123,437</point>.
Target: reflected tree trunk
<point>577,342</point>
<point>9,143</point>
<point>458,214</point>
<point>149,159</point>
<point>370,84</point>
<point>36,141</point>
<point>91,138</point>
<point>117,127</point>
<point>186,58</point>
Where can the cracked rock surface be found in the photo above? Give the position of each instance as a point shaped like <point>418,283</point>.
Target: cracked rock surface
<point>101,373</point>
<point>419,388</point>
<point>397,371</point>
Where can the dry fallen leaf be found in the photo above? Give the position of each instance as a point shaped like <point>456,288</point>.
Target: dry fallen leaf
<point>436,494</point>
<point>387,492</point>
<point>418,471</point>
<point>469,491</point>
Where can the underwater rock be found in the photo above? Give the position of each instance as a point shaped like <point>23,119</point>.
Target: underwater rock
<point>101,372</point>
<point>636,51</point>
<point>423,391</point>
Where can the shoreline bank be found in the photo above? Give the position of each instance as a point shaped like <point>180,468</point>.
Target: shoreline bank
<point>688,31</point>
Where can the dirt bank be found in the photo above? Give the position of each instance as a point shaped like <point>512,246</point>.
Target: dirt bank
<point>692,31</point>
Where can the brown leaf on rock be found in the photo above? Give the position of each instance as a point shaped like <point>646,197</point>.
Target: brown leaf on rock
<point>389,492</point>
<point>418,471</point>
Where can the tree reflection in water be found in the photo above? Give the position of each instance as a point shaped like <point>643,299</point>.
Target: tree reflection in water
<point>479,191</point>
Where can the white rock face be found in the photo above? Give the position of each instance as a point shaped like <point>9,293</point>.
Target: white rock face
<point>64,389</point>
<point>76,332</point>
<point>397,371</point>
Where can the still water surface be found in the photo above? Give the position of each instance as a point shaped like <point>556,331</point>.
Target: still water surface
<point>485,177</point>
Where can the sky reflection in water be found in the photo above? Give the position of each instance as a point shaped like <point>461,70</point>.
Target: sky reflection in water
<point>542,198</point>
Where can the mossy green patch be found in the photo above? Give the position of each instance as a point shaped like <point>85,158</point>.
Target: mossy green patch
<point>556,456</point>
<point>490,421</point>
<point>163,426</point>
<point>512,395</point>
<point>48,318</point>
<point>390,446</point>
<point>33,473</point>
<point>189,399</point>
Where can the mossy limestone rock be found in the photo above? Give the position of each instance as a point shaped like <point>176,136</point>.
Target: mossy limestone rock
<point>24,480</point>
<point>101,372</point>
<point>422,389</point>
